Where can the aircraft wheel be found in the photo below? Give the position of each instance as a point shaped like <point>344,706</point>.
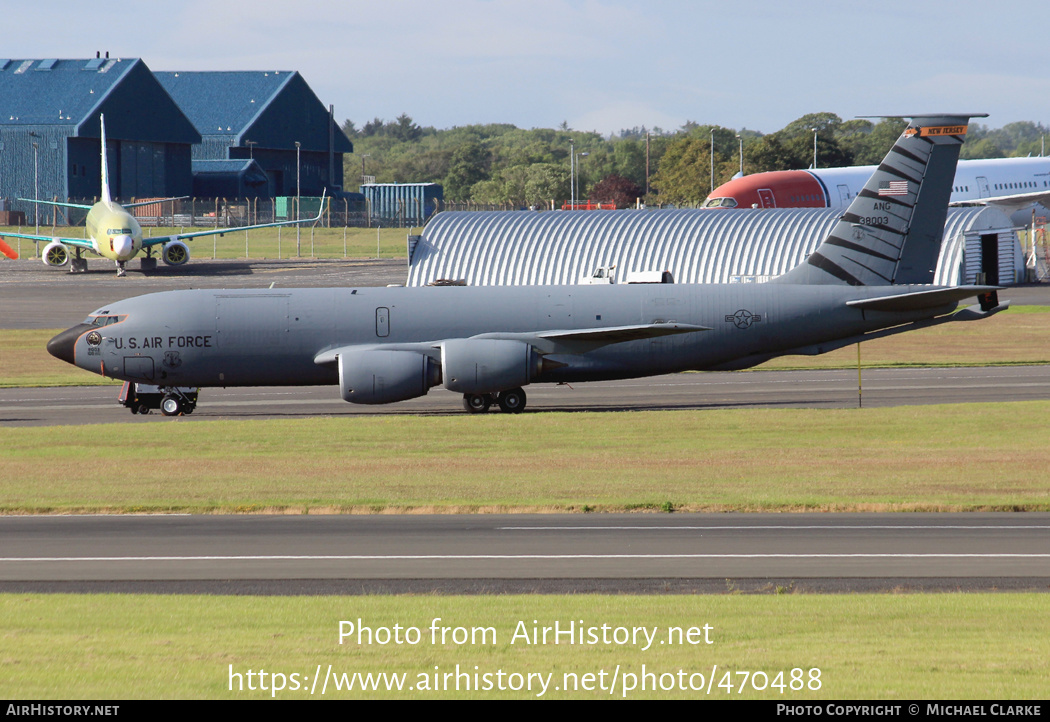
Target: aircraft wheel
<point>171,405</point>
<point>512,401</point>
<point>142,409</point>
<point>477,403</point>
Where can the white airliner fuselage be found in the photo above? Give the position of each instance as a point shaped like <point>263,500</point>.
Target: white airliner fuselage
<point>1012,183</point>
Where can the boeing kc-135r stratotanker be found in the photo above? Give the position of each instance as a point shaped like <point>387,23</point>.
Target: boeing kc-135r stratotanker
<point>869,278</point>
<point>114,233</point>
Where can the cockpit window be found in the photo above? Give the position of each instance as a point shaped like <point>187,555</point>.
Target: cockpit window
<point>105,320</point>
<point>720,203</point>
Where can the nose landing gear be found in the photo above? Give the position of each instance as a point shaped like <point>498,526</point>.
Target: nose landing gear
<point>171,400</point>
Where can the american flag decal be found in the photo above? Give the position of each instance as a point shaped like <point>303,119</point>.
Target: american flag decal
<point>893,188</point>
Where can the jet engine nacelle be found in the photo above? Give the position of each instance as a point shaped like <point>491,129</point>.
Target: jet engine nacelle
<point>382,377</point>
<point>56,254</point>
<point>175,253</point>
<point>485,366</point>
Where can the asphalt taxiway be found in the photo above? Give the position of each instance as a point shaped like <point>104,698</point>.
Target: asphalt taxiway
<point>541,553</point>
<point>709,390</point>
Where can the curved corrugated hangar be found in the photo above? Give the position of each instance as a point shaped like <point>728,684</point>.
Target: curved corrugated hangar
<point>509,248</point>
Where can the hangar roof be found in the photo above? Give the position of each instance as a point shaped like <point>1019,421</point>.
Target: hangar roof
<point>72,93</point>
<point>224,102</point>
<point>501,248</point>
<point>272,108</point>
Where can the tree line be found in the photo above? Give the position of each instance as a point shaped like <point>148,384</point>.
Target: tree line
<point>503,164</point>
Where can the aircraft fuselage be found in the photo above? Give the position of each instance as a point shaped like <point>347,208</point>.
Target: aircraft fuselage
<point>272,337</point>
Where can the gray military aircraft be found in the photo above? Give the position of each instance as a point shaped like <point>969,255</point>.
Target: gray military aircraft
<point>869,278</point>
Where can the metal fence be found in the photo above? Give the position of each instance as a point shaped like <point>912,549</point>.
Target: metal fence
<point>208,212</point>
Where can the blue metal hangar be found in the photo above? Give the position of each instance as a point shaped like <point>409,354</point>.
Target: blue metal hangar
<point>49,131</point>
<point>250,123</point>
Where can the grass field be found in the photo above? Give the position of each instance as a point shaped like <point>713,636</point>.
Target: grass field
<point>953,457</point>
<point>1019,335</point>
<point>946,646</point>
<point>265,242</point>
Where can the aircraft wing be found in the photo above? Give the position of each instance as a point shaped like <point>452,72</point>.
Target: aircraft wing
<point>556,341</point>
<point>584,339</point>
<point>148,242</point>
<point>56,203</point>
<point>1011,203</point>
<point>78,242</point>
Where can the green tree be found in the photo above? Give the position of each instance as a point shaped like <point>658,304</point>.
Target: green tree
<point>404,130</point>
<point>468,164</point>
<point>684,173</point>
<point>873,147</point>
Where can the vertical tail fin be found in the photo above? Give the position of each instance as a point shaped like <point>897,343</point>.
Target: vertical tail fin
<point>891,232</point>
<point>106,198</point>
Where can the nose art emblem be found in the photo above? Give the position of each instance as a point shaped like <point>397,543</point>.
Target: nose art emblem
<point>94,338</point>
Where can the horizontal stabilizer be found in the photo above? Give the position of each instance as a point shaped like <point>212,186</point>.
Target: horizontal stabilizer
<point>970,313</point>
<point>919,300</point>
<point>1010,203</point>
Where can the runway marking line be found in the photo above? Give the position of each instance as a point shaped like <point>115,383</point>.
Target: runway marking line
<point>763,527</point>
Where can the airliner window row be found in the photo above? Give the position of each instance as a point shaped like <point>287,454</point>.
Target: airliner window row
<point>1014,186</point>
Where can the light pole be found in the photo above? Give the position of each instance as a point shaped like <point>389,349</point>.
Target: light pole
<point>365,155</point>
<point>814,149</point>
<point>36,182</point>
<point>578,156</point>
<point>298,166</point>
<point>572,175</point>
<point>36,187</point>
<point>741,141</point>
<point>712,161</point>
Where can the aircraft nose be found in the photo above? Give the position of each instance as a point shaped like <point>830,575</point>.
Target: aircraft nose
<point>64,344</point>
<point>123,246</point>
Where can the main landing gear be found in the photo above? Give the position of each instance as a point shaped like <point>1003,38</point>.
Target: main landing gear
<point>511,401</point>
